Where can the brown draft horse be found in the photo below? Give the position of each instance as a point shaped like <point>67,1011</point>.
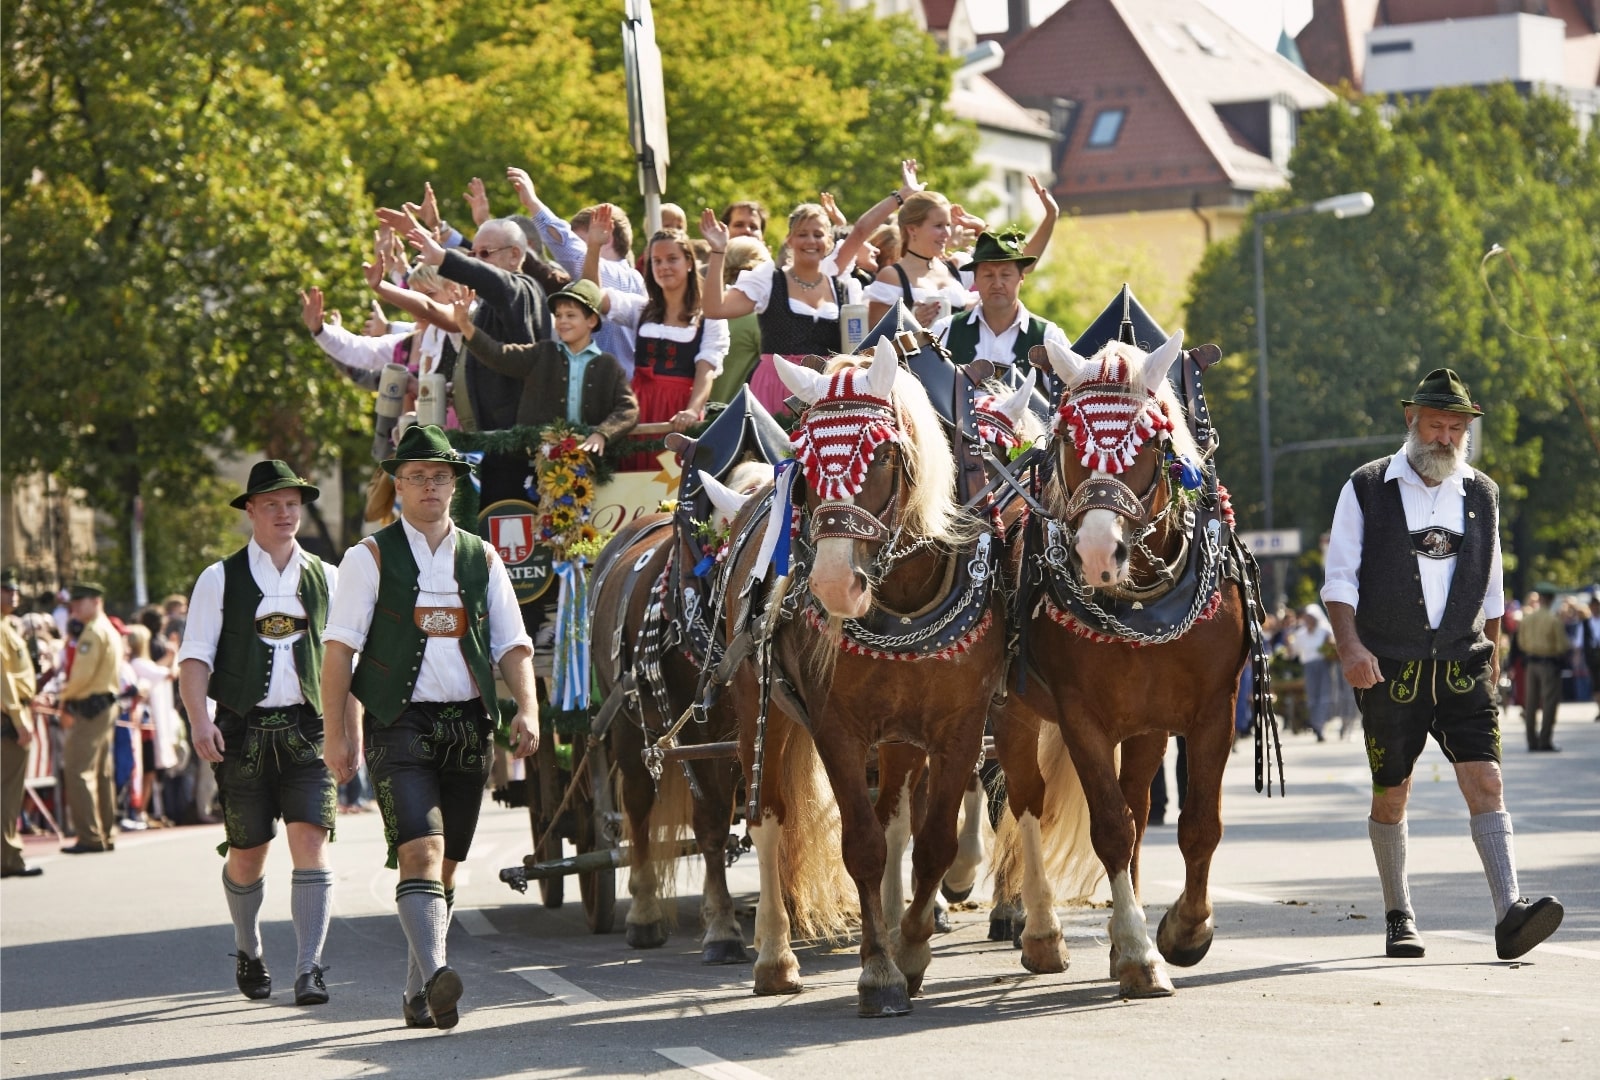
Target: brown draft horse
<point>1115,540</point>
<point>892,550</point>
<point>698,794</point>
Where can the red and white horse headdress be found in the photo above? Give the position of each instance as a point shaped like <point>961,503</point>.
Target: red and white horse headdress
<point>851,414</point>
<point>1106,417</point>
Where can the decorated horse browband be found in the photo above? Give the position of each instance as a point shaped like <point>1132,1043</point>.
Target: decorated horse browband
<point>1109,423</point>
<point>839,434</point>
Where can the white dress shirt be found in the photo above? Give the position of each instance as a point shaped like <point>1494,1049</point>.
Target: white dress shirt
<point>279,594</point>
<point>1443,505</point>
<point>444,675</point>
<point>994,347</point>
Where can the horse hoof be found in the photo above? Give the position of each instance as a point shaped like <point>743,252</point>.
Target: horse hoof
<point>1181,957</point>
<point>1045,956</point>
<point>941,921</point>
<point>1148,980</point>
<point>1004,930</point>
<point>647,935</point>
<point>724,952</point>
<point>913,985</point>
<point>781,981</point>
<point>954,896</point>
<point>875,1001</point>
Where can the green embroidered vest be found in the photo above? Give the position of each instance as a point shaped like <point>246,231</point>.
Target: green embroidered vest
<point>242,671</point>
<point>962,341</point>
<point>387,672</point>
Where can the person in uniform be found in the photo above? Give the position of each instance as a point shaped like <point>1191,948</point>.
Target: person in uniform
<point>88,707</point>
<point>1542,640</point>
<point>998,328</point>
<point>429,607</point>
<point>17,687</point>
<point>253,645</point>
<point>1415,597</point>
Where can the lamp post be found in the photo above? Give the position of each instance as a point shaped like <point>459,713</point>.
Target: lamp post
<point>1355,204</point>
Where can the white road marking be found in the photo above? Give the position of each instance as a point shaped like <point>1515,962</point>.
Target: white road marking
<point>708,1065</point>
<point>475,922</point>
<point>544,979</point>
<point>1545,947</point>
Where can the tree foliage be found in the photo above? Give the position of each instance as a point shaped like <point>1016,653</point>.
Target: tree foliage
<point>1358,310</point>
<point>172,173</point>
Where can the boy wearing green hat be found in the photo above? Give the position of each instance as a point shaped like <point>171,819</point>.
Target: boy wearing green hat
<point>1415,596</point>
<point>430,609</point>
<point>253,645</point>
<point>569,378</point>
<point>998,328</point>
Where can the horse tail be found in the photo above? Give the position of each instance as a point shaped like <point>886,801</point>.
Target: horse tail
<point>818,891</point>
<point>670,822</point>
<point>1071,865</point>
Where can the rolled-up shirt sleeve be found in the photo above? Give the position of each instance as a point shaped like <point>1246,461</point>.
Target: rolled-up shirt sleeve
<point>506,630</point>
<point>714,341</point>
<point>350,611</point>
<point>204,624</point>
<point>1342,565</point>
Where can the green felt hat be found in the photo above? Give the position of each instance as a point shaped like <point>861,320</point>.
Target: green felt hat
<point>1443,389</point>
<point>85,590</point>
<point>9,579</point>
<point>582,291</point>
<point>274,475</point>
<point>426,442</point>
<point>1003,246</point>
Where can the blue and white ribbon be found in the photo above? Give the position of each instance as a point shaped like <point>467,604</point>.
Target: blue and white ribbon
<point>473,458</point>
<point>780,520</point>
<point>570,664</point>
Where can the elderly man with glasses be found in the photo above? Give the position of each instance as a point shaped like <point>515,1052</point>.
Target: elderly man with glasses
<point>430,609</point>
<point>512,305</point>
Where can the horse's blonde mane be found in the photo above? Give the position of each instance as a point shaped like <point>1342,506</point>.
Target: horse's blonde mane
<point>930,507</point>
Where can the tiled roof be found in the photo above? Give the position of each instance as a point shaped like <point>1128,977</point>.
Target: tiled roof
<point>1167,64</point>
<point>978,99</point>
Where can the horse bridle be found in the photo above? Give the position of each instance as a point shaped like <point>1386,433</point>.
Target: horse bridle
<point>846,521</point>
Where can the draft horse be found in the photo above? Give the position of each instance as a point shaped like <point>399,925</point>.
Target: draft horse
<point>1138,608</point>
<point>651,633</point>
<point>880,624</point>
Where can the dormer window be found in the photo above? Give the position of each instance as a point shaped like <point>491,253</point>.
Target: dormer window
<point>1107,126</point>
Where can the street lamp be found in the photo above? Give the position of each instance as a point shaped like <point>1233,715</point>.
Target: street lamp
<point>1355,204</point>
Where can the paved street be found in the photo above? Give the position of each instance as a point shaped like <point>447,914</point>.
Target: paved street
<point>117,965</point>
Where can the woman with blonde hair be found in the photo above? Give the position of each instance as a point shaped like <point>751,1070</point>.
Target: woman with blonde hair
<point>797,306</point>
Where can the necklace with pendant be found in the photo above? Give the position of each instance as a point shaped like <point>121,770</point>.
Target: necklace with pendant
<point>803,283</point>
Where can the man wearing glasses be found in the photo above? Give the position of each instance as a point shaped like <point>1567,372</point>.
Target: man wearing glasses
<point>512,305</point>
<point>429,607</point>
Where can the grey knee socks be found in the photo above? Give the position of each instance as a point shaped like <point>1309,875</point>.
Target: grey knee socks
<point>244,905</point>
<point>311,906</point>
<point>415,976</point>
<point>1491,833</point>
<point>426,920</point>
<point>1389,847</point>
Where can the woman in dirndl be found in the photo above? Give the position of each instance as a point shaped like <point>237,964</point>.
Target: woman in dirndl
<point>678,351</point>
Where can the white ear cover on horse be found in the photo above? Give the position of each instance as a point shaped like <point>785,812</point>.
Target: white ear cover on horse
<point>727,501</point>
<point>1015,404</point>
<point>1068,365</point>
<point>1156,368</point>
<point>805,384</point>
<point>880,375</point>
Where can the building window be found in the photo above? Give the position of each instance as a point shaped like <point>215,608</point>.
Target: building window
<point>1107,126</point>
<point>1381,47</point>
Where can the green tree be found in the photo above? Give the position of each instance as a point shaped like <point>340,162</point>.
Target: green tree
<point>163,201</point>
<point>1358,310</point>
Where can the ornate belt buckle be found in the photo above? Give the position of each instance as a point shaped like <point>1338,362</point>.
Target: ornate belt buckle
<point>440,622</point>
<point>276,626</point>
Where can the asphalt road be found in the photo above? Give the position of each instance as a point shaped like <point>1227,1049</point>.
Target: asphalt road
<point>116,965</point>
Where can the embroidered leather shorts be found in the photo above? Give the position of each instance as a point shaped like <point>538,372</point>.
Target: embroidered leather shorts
<point>428,770</point>
<point>272,768</point>
<point>1451,700</point>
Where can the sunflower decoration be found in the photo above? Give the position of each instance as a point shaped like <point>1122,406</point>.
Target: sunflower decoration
<point>565,488</point>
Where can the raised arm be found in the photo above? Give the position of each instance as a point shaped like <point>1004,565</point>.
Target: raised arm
<point>1049,212</point>
<point>514,359</point>
<point>715,302</point>
<point>868,223</point>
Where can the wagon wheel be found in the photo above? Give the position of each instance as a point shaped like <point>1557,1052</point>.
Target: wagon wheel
<point>590,811</point>
<point>545,786</point>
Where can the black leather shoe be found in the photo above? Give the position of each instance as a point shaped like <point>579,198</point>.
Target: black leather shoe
<point>26,871</point>
<point>81,848</point>
<point>1525,925</point>
<point>309,988</point>
<point>442,992</point>
<point>415,1010</point>
<point>1401,941</point>
<point>255,981</point>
